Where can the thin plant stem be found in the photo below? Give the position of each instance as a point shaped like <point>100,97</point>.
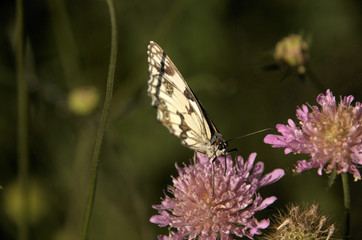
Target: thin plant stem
<point>347,205</point>
<point>103,120</point>
<point>22,122</point>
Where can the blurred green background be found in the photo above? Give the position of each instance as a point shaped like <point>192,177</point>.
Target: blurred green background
<point>220,47</point>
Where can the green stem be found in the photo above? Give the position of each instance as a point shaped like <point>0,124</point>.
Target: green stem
<point>103,120</point>
<point>347,204</point>
<point>22,122</point>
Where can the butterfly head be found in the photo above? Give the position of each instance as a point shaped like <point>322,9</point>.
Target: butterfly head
<point>219,145</point>
<point>222,147</point>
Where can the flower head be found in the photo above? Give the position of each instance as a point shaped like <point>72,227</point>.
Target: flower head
<point>195,212</point>
<point>301,223</point>
<point>332,136</point>
<point>292,52</point>
<point>83,101</point>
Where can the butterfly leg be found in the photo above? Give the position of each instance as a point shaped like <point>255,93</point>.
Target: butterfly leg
<point>230,151</point>
<point>213,175</point>
<point>194,158</point>
<point>225,164</point>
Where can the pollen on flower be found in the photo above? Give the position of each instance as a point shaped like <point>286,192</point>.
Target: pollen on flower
<point>331,135</point>
<point>195,212</point>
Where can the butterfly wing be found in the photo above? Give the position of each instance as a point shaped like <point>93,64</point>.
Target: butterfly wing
<point>178,109</point>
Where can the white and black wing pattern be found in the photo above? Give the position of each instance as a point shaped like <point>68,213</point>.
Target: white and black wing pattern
<point>178,109</point>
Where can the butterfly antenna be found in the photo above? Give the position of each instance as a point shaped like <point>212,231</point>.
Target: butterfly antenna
<point>250,134</point>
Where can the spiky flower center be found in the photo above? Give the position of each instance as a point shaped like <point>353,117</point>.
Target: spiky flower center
<point>302,223</point>
<point>200,209</point>
<point>330,134</point>
<point>196,207</point>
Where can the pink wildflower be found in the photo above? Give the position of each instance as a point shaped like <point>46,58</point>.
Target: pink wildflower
<point>331,136</point>
<point>194,213</point>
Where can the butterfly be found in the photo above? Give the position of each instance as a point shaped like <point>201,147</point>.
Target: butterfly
<point>178,108</point>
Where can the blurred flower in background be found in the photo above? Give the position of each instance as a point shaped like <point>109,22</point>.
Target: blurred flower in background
<point>83,101</point>
<point>301,223</point>
<point>331,136</point>
<point>292,52</point>
<point>13,201</point>
<point>196,213</point>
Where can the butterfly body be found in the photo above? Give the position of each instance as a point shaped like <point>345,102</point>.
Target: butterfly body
<point>178,108</point>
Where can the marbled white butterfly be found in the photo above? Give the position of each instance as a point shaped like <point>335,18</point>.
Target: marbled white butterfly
<point>178,108</point>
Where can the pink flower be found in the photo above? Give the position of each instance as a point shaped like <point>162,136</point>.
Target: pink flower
<point>193,212</point>
<point>331,136</point>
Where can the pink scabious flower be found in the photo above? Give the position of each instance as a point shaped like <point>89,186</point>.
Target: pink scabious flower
<point>194,212</point>
<point>331,136</point>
